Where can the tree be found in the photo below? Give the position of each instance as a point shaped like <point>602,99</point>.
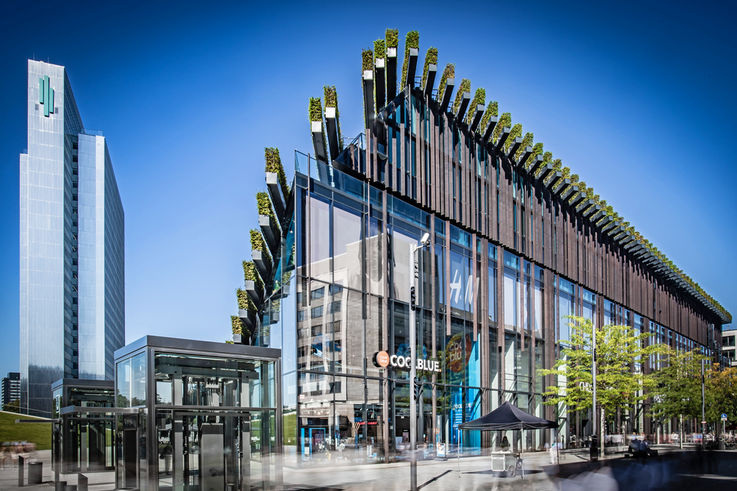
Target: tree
<point>620,381</point>
<point>677,391</point>
<point>721,394</point>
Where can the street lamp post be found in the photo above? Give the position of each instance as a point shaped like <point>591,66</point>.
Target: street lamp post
<point>703,408</point>
<point>594,439</point>
<point>413,277</point>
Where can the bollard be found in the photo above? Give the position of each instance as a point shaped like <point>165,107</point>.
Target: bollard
<point>81,482</point>
<point>21,460</point>
<point>60,485</point>
<point>35,472</point>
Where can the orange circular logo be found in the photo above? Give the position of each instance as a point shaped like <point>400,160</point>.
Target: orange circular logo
<point>382,359</point>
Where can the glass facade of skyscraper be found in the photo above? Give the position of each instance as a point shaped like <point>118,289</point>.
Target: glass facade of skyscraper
<point>71,245</point>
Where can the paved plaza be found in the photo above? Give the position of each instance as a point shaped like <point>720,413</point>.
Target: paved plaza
<point>673,470</point>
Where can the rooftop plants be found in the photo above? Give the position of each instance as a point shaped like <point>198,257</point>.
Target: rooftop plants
<point>392,38</point>
<point>411,41</point>
<point>431,58</point>
<point>264,204</point>
<point>515,132</point>
<point>331,100</point>
<point>479,99</point>
<point>258,243</point>
<point>526,142</point>
<point>492,111</point>
<point>315,109</point>
<point>244,301</point>
<point>367,60</point>
<point>273,164</point>
<point>250,274</point>
<point>448,73</point>
<point>237,325</point>
<point>462,89</point>
<point>504,120</point>
<point>537,149</point>
<point>380,48</point>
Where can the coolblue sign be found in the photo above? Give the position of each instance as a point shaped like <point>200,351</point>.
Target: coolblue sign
<point>46,95</point>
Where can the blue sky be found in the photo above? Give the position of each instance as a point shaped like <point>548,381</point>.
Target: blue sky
<point>637,98</point>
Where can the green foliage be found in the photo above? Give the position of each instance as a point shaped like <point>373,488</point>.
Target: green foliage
<point>331,100</point>
<point>526,142</point>
<point>259,244</point>
<point>392,38</point>
<point>264,204</point>
<point>677,390</point>
<point>492,110</point>
<point>251,274</point>
<point>448,73</point>
<point>505,120</point>
<point>380,48</point>
<point>244,301</point>
<point>237,325</point>
<point>547,157</point>
<point>273,164</point>
<point>367,60</point>
<point>315,109</point>
<point>431,58</point>
<point>411,41</point>
<point>618,384</point>
<point>721,394</point>
<point>537,149</point>
<point>515,132</point>
<point>462,89</point>
<point>479,99</point>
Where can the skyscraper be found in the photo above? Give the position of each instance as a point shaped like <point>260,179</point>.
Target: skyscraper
<point>11,391</point>
<point>72,298</point>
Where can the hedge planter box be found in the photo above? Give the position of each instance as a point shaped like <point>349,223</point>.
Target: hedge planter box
<point>331,122</point>
<point>271,233</point>
<point>253,291</point>
<point>262,262</point>
<point>490,128</point>
<point>391,74</point>
<point>368,96</point>
<point>465,100</point>
<point>502,138</point>
<point>380,82</point>
<point>411,67</point>
<point>513,148</point>
<point>449,84</point>
<point>477,117</point>
<point>432,71</point>
<point>278,200</point>
<point>318,141</point>
<point>524,158</point>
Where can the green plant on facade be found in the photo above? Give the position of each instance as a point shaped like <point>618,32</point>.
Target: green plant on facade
<point>515,132</point>
<point>392,38</point>
<point>526,142</point>
<point>367,60</point>
<point>331,100</point>
<point>547,157</point>
<point>537,149</point>
<point>411,41</point>
<point>505,120</point>
<point>379,49</point>
<point>492,111</point>
<point>479,99</point>
<point>557,167</point>
<point>244,301</point>
<point>431,58</point>
<point>315,109</point>
<point>237,325</point>
<point>259,244</point>
<point>449,72</point>
<point>273,164</point>
<point>464,87</point>
<point>251,274</point>
<point>264,204</point>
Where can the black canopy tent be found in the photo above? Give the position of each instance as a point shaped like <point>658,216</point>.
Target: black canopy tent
<point>508,417</point>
